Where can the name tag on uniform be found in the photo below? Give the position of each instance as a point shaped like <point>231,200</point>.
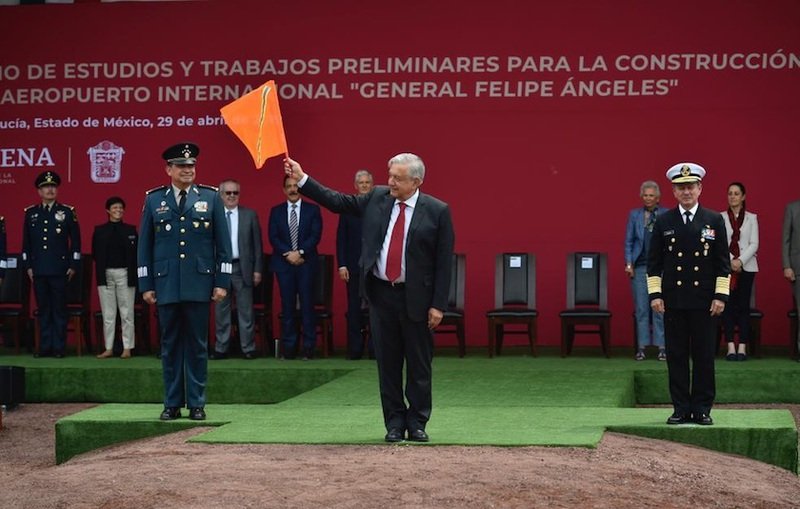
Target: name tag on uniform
<point>668,233</point>
<point>708,234</point>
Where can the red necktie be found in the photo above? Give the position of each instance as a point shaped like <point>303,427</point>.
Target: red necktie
<point>394,259</point>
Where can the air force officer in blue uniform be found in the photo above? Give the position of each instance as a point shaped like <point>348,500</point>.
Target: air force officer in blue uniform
<point>51,254</point>
<point>184,263</point>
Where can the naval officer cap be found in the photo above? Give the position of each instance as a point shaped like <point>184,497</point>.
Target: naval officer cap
<point>47,178</point>
<point>683,173</point>
<point>181,153</point>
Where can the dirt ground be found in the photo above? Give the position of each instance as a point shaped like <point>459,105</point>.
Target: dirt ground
<point>623,472</point>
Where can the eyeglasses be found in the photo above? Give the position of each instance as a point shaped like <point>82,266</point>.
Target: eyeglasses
<point>232,193</point>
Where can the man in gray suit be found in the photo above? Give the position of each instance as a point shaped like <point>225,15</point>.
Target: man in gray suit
<point>247,266</point>
<point>406,255</point>
<point>790,250</point>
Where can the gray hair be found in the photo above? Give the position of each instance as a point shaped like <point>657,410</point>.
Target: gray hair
<point>416,168</point>
<point>650,184</point>
<point>229,181</point>
<point>363,173</point>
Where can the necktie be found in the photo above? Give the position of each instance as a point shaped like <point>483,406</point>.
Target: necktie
<point>688,215</point>
<point>651,220</point>
<point>182,199</point>
<point>394,259</point>
<point>293,226</point>
<point>228,218</point>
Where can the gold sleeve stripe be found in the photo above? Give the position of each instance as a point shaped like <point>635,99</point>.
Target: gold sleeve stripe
<point>654,284</point>
<point>723,285</point>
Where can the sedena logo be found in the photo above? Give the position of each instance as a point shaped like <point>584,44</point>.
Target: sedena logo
<point>25,157</point>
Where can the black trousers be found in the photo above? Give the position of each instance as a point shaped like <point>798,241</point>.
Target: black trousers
<point>690,334</point>
<point>737,310</point>
<point>398,340</point>
<point>51,299</point>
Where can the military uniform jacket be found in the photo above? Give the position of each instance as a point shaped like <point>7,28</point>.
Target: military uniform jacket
<point>51,240</point>
<point>183,256</point>
<point>689,264</point>
<point>3,261</point>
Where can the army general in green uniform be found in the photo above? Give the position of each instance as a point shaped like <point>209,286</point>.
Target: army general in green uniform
<point>184,262</point>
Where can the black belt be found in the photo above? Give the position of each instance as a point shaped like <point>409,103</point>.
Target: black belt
<point>390,284</point>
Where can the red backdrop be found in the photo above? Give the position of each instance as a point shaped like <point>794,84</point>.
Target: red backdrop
<point>537,121</point>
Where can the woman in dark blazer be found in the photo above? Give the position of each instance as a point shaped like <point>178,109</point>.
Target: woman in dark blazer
<point>114,247</point>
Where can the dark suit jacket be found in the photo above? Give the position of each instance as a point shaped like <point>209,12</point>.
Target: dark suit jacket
<point>308,234</point>
<point>101,238</point>
<point>348,242</point>
<point>689,265</point>
<point>251,248</point>
<point>429,243</point>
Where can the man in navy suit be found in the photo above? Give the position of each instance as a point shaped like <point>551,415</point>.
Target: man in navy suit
<point>406,257</point>
<point>184,261</point>
<point>348,252</point>
<point>295,228</point>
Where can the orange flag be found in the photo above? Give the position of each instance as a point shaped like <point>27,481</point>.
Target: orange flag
<point>255,118</point>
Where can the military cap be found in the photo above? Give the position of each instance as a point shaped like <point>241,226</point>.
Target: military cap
<point>47,178</point>
<point>682,173</point>
<point>181,153</point>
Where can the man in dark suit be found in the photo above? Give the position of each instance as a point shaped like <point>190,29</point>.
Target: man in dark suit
<point>295,228</point>
<point>406,257</point>
<point>348,252</point>
<point>51,254</point>
<point>688,279</point>
<point>184,261</point>
<point>248,262</point>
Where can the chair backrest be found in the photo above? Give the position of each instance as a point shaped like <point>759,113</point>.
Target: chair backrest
<point>455,299</point>
<point>323,282</point>
<point>515,280</point>
<point>262,296</point>
<point>587,279</point>
<point>79,288</point>
<point>16,285</point>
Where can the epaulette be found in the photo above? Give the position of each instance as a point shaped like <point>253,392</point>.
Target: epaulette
<point>159,188</point>
<point>71,209</point>
<point>212,188</point>
<point>29,207</point>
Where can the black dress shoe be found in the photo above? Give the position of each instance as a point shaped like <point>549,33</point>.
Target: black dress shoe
<point>677,418</point>
<point>217,356</point>
<point>249,355</point>
<point>418,435</point>
<point>703,419</point>
<point>197,414</point>
<point>58,355</point>
<point>394,435</point>
<point>38,355</point>
<point>170,413</point>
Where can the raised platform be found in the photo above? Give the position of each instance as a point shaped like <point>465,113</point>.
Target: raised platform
<point>505,401</point>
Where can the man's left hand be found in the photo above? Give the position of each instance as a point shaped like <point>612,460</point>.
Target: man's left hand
<point>717,307</point>
<point>434,318</point>
<point>256,278</point>
<point>70,273</point>
<point>219,294</point>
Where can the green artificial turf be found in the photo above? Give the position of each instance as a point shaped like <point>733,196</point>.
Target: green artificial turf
<point>505,401</point>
